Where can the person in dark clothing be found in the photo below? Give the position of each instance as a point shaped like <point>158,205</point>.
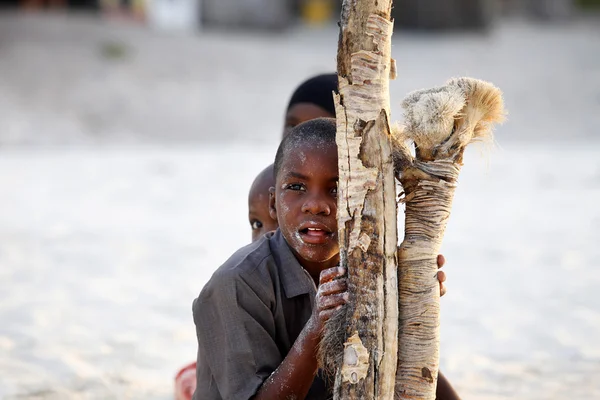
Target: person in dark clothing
<point>313,98</point>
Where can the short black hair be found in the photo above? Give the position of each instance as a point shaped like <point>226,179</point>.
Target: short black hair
<point>317,90</point>
<point>320,131</point>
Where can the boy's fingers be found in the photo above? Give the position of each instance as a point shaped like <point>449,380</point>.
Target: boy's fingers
<point>330,274</point>
<point>332,301</point>
<point>443,289</point>
<point>336,286</point>
<point>441,275</point>
<point>327,314</point>
<point>441,260</point>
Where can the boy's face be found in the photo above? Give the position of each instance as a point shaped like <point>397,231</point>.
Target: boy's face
<point>305,204</point>
<point>258,211</point>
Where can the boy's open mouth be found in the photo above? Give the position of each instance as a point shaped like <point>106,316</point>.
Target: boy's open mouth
<point>315,233</point>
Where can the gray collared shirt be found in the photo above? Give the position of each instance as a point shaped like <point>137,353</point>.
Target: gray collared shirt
<point>247,318</point>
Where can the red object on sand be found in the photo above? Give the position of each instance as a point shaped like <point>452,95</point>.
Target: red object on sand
<point>185,382</point>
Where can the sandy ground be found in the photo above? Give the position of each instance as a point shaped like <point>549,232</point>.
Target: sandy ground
<point>102,252</point>
<point>113,214</point>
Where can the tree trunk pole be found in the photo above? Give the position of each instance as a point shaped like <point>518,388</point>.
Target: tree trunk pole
<point>360,343</point>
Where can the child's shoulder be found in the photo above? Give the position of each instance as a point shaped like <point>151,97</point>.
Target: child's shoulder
<point>246,259</point>
<point>252,265</point>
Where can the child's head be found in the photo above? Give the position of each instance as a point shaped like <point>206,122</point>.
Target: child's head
<point>258,204</point>
<point>304,199</point>
<point>312,99</point>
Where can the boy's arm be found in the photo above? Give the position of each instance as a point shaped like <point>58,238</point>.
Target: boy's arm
<point>237,354</point>
<point>444,390</point>
<point>294,376</point>
<point>236,338</point>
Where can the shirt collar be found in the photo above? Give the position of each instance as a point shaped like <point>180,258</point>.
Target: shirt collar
<point>296,281</point>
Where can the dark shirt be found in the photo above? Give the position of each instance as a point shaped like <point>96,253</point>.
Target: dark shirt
<point>247,318</point>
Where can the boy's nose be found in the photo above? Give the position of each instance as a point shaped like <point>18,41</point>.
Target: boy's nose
<point>316,206</point>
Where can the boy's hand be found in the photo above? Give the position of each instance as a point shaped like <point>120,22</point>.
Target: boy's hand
<point>441,260</point>
<point>332,292</point>
<point>331,295</point>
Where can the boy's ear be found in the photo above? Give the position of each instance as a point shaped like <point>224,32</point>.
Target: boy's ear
<point>272,209</point>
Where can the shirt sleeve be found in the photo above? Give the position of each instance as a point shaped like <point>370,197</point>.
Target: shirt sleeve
<point>236,338</point>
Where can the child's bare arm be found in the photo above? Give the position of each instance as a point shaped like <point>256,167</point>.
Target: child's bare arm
<point>444,390</point>
<point>294,376</point>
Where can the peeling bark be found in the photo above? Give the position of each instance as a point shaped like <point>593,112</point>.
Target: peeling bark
<point>360,344</point>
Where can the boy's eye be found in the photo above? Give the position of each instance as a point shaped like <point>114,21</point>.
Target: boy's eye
<point>295,186</point>
<point>290,123</point>
<point>334,191</point>
<point>256,224</point>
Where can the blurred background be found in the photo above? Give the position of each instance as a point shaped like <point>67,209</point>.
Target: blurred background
<point>131,130</point>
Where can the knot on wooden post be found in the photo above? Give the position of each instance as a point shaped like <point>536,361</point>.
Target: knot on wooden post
<point>356,360</point>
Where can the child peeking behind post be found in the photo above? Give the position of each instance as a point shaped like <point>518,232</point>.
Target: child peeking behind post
<point>313,98</point>
<point>259,319</point>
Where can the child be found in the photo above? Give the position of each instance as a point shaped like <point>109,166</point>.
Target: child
<point>258,204</point>
<point>256,325</point>
<point>312,99</point>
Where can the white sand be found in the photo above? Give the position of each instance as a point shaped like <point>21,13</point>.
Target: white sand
<point>103,248</point>
<point>102,252</point>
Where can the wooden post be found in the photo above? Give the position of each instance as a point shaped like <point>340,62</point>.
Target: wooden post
<point>360,343</point>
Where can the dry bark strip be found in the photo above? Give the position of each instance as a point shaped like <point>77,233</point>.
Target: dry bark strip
<point>365,332</point>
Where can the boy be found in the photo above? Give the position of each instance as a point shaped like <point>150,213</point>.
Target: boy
<point>257,329</point>
<point>258,204</point>
<point>312,99</point>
